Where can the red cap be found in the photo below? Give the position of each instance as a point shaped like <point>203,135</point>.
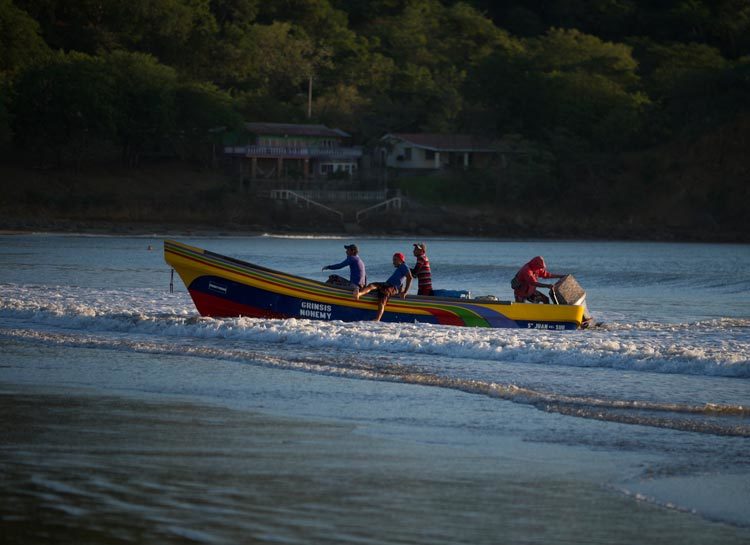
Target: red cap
<point>399,255</point>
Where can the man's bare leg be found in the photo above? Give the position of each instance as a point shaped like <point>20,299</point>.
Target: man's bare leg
<point>364,291</point>
<point>381,308</point>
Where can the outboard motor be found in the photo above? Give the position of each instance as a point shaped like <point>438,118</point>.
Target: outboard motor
<point>569,292</point>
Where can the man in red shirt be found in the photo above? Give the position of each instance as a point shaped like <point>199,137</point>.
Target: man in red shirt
<point>526,281</point>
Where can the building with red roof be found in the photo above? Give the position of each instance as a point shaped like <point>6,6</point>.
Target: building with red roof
<point>297,151</point>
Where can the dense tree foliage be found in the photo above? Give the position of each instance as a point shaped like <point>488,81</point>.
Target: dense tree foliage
<point>63,106</point>
<point>615,75</point>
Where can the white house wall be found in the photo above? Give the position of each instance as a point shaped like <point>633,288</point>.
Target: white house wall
<point>418,159</point>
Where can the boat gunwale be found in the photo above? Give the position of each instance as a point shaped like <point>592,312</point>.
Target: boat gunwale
<point>336,289</point>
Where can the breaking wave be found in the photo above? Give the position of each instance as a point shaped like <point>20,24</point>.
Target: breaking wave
<point>710,418</point>
<point>147,320</point>
<point>719,347</point>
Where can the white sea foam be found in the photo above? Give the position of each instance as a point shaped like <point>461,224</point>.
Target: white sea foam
<point>153,321</point>
<point>714,347</point>
<point>304,237</point>
<point>712,418</point>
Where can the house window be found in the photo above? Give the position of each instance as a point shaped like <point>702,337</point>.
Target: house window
<point>407,154</point>
<point>429,154</point>
<point>330,169</point>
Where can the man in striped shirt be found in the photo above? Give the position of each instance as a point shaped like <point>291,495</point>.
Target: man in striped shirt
<point>422,269</point>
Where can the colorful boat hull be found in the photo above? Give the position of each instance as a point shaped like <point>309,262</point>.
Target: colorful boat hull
<point>222,286</point>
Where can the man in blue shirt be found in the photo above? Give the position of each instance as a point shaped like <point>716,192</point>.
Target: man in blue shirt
<point>393,286</point>
<point>357,276</point>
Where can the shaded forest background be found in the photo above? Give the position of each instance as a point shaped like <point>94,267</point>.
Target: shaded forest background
<point>629,118</point>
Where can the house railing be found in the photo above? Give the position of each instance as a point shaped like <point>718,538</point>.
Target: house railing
<point>342,195</point>
<point>385,206</point>
<point>287,152</point>
<point>286,195</point>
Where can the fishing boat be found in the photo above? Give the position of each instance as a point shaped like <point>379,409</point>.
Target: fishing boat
<point>222,286</point>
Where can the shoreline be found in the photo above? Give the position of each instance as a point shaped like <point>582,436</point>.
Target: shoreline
<point>137,229</point>
<point>174,198</point>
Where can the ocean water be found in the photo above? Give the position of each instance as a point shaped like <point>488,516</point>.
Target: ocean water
<point>129,418</point>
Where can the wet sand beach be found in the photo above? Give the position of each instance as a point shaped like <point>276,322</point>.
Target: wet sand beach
<point>85,467</point>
